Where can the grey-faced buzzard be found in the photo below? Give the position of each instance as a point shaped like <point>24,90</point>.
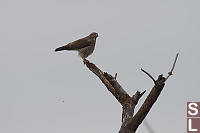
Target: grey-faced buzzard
<point>85,46</point>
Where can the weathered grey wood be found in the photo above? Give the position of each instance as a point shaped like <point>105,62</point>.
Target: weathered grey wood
<point>131,122</point>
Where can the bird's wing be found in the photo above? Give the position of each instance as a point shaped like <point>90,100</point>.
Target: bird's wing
<point>79,44</point>
<point>76,45</point>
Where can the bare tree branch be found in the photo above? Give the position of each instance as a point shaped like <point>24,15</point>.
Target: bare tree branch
<point>149,75</point>
<point>131,122</point>
<point>170,72</point>
<point>115,75</point>
<point>134,123</point>
<point>110,82</point>
<point>129,107</point>
<point>128,103</point>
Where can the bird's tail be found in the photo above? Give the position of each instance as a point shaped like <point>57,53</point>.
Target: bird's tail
<point>66,47</point>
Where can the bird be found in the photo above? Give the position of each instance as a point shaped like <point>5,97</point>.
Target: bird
<point>85,46</point>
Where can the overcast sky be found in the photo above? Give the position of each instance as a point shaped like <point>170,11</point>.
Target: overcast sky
<point>132,34</point>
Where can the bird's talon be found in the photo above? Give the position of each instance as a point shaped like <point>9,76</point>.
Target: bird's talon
<point>85,46</point>
<point>84,61</point>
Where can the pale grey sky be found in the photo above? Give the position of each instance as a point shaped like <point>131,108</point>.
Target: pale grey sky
<point>132,34</point>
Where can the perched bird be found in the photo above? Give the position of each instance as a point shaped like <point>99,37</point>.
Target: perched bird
<point>85,46</point>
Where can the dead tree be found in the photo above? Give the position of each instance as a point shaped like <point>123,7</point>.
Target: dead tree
<point>131,122</point>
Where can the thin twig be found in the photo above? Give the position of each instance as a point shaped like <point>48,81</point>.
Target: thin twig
<point>142,93</point>
<point>148,75</point>
<point>115,75</point>
<point>170,73</point>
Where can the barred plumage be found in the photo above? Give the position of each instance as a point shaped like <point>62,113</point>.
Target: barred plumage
<point>85,46</point>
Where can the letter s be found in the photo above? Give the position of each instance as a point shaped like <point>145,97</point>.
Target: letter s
<point>194,110</point>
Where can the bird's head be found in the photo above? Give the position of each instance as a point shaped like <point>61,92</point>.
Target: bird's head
<point>94,35</point>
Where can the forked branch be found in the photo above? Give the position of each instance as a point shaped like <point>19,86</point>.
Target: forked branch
<point>131,122</point>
